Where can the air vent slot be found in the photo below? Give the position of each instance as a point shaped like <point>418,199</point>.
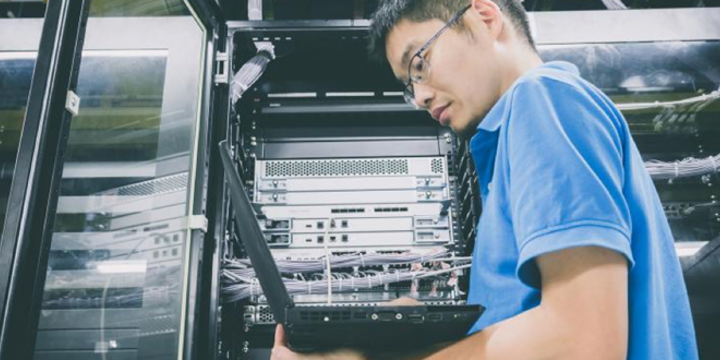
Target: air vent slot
<point>332,168</point>
<point>347,210</point>
<point>436,166</point>
<point>265,315</point>
<point>153,187</point>
<point>391,209</point>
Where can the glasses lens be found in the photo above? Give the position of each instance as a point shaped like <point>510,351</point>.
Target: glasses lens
<point>419,69</point>
<point>409,95</point>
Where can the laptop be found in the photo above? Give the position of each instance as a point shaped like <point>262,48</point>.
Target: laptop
<point>325,327</point>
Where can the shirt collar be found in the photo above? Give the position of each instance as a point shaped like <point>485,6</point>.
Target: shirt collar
<point>500,110</point>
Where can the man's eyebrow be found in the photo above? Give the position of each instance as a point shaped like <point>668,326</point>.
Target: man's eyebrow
<point>406,54</point>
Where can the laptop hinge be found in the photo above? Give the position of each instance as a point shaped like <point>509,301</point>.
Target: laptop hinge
<point>198,222</point>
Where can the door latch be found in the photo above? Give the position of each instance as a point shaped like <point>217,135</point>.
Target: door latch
<point>72,103</point>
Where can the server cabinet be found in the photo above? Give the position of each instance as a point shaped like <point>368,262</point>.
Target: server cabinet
<point>118,280</point>
<point>337,165</point>
<point>321,107</point>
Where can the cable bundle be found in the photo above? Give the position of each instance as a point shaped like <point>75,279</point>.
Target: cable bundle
<point>614,5</point>
<point>251,71</point>
<point>688,167</point>
<point>238,288</point>
<point>242,267</point>
<point>704,98</point>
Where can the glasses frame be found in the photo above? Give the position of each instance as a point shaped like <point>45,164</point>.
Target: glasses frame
<point>409,92</point>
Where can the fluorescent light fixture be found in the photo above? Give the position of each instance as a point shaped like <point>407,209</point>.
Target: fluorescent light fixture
<point>14,55</point>
<point>351,94</point>
<point>292,95</point>
<point>125,53</point>
<point>688,248</point>
<point>17,55</point>
<point>122,267</point>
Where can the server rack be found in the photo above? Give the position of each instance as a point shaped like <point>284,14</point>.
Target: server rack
<point>359,102</point>
<point>638,61</point>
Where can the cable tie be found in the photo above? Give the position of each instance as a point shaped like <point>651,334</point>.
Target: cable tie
<point>714,164</point>
<point>253,283</point>
<point>677,170</point>
<point>362,259</point>
<point>309,287</point>
<point>242,86</point>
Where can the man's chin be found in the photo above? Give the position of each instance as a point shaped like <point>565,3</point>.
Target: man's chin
<point>464,132</point>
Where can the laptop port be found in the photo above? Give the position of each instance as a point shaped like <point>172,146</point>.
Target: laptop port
<point>435,317</point>
<point>360,315</point>
<point>386,315</point>
<point>416,318</point>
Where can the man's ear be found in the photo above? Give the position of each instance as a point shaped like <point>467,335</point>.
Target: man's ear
<point>486,15</point>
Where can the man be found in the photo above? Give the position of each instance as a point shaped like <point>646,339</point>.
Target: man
<point>574,258</point>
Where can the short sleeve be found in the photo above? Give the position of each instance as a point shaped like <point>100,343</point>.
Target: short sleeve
<point>566,173</point>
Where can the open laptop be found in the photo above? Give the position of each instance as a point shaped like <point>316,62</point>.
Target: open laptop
<point>324,327</point>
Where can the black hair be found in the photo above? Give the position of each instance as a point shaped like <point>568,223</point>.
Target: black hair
<point>391,12</point>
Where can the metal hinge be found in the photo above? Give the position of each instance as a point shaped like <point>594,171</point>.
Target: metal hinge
<point>72,103</point>
<point>222,75</point>
<point>198,222</point>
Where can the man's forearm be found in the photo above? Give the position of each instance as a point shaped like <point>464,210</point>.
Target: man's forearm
<point>526,336</point>
<point>416,354</point>
<point>534,334</point>
<point>583,314</point>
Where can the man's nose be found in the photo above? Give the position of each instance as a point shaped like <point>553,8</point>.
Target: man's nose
<point>423,95</point>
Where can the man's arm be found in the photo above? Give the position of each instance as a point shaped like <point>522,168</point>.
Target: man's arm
<point>583,313</point>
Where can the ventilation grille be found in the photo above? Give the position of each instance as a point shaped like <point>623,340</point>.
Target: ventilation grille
<point>436,166</point>
<point>336,168</point>
<point>154,187</point>
<point>323,315</point>
<point>265,315</point>
<point>394,209</point>
<point>347,210</point>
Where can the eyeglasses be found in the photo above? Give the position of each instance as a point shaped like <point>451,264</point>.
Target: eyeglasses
<point>419,67</point>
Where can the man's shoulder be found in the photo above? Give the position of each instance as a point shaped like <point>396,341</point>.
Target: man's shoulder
<point>560,89</point>
<point>551,81</point>
<point>546,91</point>
<point>550,99</point>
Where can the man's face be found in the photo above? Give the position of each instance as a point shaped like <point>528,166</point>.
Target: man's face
<point>465,76</point>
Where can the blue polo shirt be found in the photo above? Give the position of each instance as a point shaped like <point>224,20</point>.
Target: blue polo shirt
<point>558,169</point>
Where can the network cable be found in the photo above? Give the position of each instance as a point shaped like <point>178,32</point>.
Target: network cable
<point>243,267</point>
<point>688,167</point>
<point>238,288</point>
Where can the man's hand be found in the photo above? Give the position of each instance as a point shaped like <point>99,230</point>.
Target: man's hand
<point>403,301</point>
<point>280,351</point>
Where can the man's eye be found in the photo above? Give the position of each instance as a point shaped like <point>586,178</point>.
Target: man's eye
<point>419,65</point>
